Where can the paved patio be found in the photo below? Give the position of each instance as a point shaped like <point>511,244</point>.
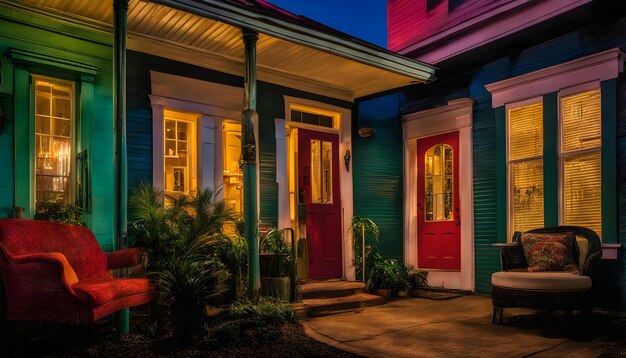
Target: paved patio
<point>460,327</point>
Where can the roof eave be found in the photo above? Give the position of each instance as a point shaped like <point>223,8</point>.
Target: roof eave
<point>266,24</point>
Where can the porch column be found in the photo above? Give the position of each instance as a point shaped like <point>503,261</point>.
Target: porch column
<point>249,118</point>
<point>120,8</point>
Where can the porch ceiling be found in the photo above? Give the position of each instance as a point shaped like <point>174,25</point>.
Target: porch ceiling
<point>345,70</point>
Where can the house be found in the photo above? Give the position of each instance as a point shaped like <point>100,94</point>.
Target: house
<point>525,127</point>
<point>74,133</point>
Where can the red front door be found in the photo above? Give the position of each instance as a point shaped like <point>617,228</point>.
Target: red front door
<point>438,216</point>
<point>318,180</point>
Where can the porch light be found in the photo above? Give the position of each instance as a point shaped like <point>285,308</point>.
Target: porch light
<point>366,132</point>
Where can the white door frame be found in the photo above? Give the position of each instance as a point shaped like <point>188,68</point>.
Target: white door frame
<point>455,116</point>
<point>344,131</point>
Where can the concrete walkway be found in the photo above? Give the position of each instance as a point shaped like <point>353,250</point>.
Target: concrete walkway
<point>460,327</point>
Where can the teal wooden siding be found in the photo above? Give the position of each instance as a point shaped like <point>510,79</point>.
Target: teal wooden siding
<point>377,170</point>
<point>20,30</point>
<point>550,160</point>
<point>270,105</point>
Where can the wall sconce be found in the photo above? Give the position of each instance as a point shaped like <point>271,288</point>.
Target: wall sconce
<point>366,132</point>
<point>346,159</point>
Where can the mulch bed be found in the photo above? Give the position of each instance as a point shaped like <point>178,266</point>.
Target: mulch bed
<point>146,340</point>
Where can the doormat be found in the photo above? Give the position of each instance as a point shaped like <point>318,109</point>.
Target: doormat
<point>433,293</point>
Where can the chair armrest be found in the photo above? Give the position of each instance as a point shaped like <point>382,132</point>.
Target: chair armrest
<point>123,258</point>
<point>512,257</point>
<point>53,262</point>
<point>589,262</point>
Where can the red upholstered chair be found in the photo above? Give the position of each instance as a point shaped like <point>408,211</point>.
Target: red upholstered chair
<point>58,272</point>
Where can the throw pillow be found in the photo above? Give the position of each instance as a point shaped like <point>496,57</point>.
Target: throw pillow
<point>549,252</point>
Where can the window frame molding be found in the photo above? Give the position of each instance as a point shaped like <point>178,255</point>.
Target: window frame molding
<point>27,64</point>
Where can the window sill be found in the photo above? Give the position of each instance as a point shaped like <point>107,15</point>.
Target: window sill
<point>609,251</point>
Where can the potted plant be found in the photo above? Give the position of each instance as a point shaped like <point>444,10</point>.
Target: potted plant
<point>388,277</point>
<point>274,265</point>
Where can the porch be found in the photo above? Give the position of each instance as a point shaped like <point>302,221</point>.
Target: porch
<point>462,327</point>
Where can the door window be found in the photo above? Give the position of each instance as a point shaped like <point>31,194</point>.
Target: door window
<point>321,172</point>
<point>179,153</point>
<point>439,183</point>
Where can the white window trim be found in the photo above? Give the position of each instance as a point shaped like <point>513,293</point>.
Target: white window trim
<point>597,67</point>
<point>560,154</point>
<point>455,116</point>
<point>509,177</point>
<point>344,131</point>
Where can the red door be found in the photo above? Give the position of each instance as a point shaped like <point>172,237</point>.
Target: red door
<point>438,222</point>
<point>318,178</point>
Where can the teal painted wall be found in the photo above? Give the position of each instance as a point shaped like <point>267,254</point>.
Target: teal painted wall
<point>377,170</point>
<point>55,40</point>
<point>270,105</point>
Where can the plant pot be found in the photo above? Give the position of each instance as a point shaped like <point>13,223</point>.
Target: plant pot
<point>187,322</point>
<point>384,293</point>
<point>277,287</point>
<point>271,265</point>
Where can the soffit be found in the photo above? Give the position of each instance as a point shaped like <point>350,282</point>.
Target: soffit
<point>168,32</point>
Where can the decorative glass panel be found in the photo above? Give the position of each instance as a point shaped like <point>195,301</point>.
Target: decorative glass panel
<point>581,120</point>
<point>439,183</point>
<point>316,182</point>
<point>327,173</point>
<point>527,177</point>
<point>54,117</point>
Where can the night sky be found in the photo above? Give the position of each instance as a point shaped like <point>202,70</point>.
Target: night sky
<point>365,19</point>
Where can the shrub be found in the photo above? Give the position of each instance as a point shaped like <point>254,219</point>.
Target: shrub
<point>59,212</point>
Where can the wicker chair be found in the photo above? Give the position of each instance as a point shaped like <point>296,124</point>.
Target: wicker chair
<point>514,286</point>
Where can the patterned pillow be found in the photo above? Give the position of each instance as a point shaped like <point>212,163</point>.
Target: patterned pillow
<point>550,252</point>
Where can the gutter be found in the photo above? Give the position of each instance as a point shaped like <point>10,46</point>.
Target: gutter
<point>250,20</point>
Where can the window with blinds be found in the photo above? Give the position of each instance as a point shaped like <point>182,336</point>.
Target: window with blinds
<point>580,157</point>
<point>525,167</point>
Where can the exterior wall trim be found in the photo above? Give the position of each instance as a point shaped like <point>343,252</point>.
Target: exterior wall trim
<point>456,116</point>
<point>600,66</point>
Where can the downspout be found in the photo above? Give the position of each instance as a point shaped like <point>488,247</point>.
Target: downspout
<point>249,118</point>
<point>120,9</point>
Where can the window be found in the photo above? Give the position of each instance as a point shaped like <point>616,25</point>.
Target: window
<point>321,172</point>
<point>179,148</point>
<point>525,167</point>
<point>580,160</point>
<point>312,118</point>
<point>233,175</point>
<point>439,181</point>
<point>54,138</point>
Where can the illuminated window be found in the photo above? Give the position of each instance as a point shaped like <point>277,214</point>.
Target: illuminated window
<point>580,157</point>
<point>179,144</point>
<point>54,128</point>
<point>525,167</point>
<point>321,172</point>
<point>233,175</point>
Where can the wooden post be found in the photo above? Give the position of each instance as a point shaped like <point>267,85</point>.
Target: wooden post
<point>249,118</point>
<point>120,9</point>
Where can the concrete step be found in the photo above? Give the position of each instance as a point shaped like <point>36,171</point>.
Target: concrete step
<point>326,306</point>
<point>330,289</point>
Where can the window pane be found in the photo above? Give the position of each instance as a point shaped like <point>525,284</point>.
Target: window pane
<point>179,153</point>
<point>327,173</point>
<point>582,189</point>
<point>439,181</point>
<point>581,120</point>
<point>316,182</point>
<point>54,117</point>
<point>233,176</point>
<point>526,131</point>
<point>527,178</point>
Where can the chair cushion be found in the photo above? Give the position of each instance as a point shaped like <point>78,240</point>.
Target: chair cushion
<point>98,292</point>
<point>549,252</point>
<point>541,281</point>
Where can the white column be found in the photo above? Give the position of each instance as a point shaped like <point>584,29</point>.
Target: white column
<point>206,166</point>
<point>157,147</point>
<point>347,203</point>
<point>467,206</point>
<point>282,180</point>
<point>218,160</point>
